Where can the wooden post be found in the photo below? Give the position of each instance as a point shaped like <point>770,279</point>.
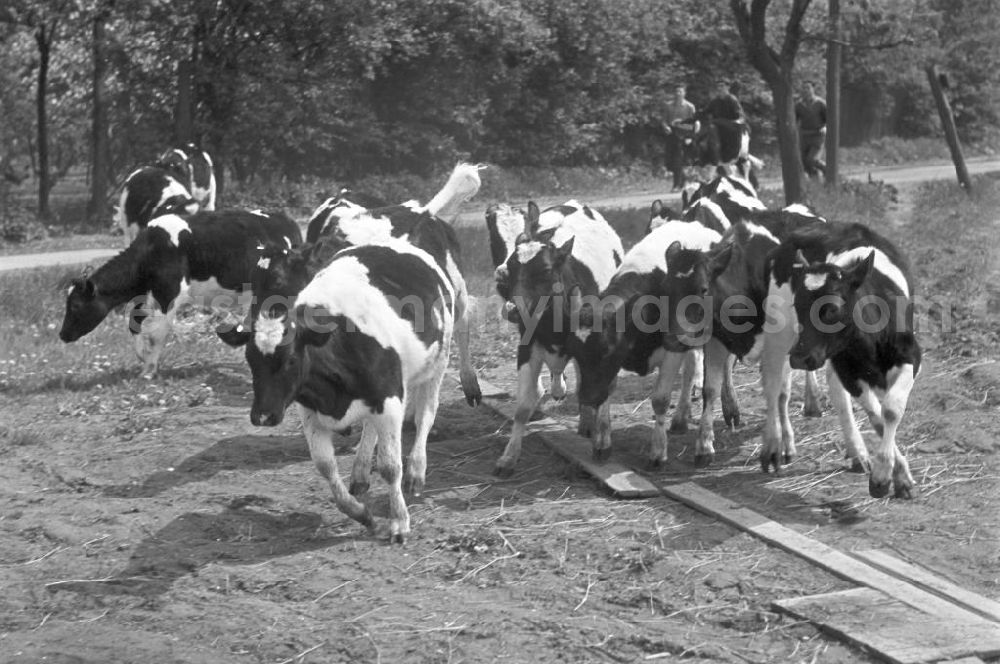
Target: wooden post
<point>948,122</point>
<point>833,97</point>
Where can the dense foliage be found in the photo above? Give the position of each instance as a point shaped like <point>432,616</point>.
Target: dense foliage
<point>345,88</point>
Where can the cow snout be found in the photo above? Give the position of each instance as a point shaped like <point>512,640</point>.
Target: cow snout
<point>511,313</point>
<point>265,419</point>
<point>67,335</point>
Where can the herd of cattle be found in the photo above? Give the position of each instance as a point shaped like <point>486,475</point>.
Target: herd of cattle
<point>355,324</point>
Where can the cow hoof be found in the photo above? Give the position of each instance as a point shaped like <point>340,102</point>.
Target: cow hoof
<point>657,464</point>
<point>904,491</point>
<point>584,430</point>
<point>474,398</point>
<point>858,466</point>
<point>703,460</point>
<point>367,520</point>
<point>812,412</point>
<point>397,538</point>
<point>787,458</point>
<point>358,488</point>
<point>503,472</point>
<point>413,486</point>
<point>678,426</point>
<point>732,420</point>
<point>878,489</point>
<point>768,460</point>
<point>602,454</point>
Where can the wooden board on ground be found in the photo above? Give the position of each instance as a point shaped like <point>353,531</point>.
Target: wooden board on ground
<point>928,581</point>
<point>620,480</point>
<point>895,631</point>
<point>819,554</point>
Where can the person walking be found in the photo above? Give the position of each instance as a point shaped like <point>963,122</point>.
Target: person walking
<point>681,126</point>
<point>810,116</point>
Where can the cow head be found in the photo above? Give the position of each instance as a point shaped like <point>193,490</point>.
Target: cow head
<point>280,358</point>
<point>826,297</point>
<point>536,271</point>
<point>177,163</point>
<point>660,214</point>
<point>685,289</point>
<point>505,224</point>
<point>85,309</point>
<point>599,344</point>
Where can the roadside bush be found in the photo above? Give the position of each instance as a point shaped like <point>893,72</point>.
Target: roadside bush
<point>19,224</point>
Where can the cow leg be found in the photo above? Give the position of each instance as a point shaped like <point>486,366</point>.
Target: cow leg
<point>320,439</point>
<point>557,384</point>
<point>529,393</point>
<point>694,365</point>
<point>888,460</point>
<point>730,404</point>
<point>841,400</point>
<point>601,418</point>
<point>873,409</point>
<point>466,372</point>
<point>153,334</point>
<point>811,406</point>
<point>687,368</point>
<point>363,460</point>
<point>425,406</point>
<point>778,439</point>
<point>389,459</point>
<point>660,400</point>
<point>716,359</point>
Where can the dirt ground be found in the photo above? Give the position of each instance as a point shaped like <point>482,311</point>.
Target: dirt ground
<point>150,522</point>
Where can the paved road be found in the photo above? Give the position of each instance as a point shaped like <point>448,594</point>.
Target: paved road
<point>474,217</point>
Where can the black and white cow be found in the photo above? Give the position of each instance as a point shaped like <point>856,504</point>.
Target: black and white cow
<point>193,167</point>
<point>283,272</point>
<point>147,193</point>
<point>852,294</point>
<point>346,203</point>
<point>367,341</point>
<point>640,322</point>
<point>462,184</point>
<point>750,321</point>
<point>566,251</point>
<point>172,261</point>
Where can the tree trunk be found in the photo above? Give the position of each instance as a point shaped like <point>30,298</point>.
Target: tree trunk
<point>777,69</point>
<point>43,39</point>
<point>183,115</point>
<point>948,124</point>
<point>788,138</point>
<point>833,98</point>
<point>100,155</point>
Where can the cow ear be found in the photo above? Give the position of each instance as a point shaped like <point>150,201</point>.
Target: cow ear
<point>857,275</point>
<point>800,260</point>
<point>565,251</point>
<point>672,252</point>
<point>313,325</point>
<point>85,286</point>
<point>719,261</point>
<point>531,219</point>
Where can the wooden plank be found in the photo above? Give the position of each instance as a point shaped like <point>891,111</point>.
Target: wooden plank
<point>895,631</point>
<point>618,479</point>
<point>925,579</point>
<point>964,660</point>
<point>819,554</point>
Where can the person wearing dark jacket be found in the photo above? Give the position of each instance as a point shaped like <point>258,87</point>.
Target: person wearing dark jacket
<point>810,116</point>
<point>680,125</point>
